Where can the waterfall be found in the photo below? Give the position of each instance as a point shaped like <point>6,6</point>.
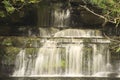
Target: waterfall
<point>48,60</point>
<point>20,64</point>
<point>82,53</point>
<point>62,51</point>
<point>61,18</point>
<point>79,33</point>
<point>55,15</point>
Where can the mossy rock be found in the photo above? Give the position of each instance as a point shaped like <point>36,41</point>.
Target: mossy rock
<point>19,41</point>
<point>6,41</point>
<point>8,54</point>
<point>12,41</point>
<point>32,51</point>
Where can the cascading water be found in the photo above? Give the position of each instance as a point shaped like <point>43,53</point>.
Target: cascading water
<point>78,55</point>
<point>61,18</point>
<point>20,64</point>
<point>69,52</point>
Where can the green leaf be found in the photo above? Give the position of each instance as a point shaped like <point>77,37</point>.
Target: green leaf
<point>22,0</point>
<point>9,8</point>
<point>118,50</point>
<point>2,14</point>
<point>33,1</point>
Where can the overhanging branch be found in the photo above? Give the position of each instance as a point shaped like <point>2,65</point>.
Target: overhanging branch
<point>100,16</point>
<point>111,38</point>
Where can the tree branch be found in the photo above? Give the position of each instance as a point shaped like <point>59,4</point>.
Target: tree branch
<point>111,38</point>
<point>100,16</point>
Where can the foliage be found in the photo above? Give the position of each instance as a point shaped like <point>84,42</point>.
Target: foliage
<point>118,49</point>
<point>8,7</point>
<point>111,9</point>
<point>115,44</point>
<point>7,42</point>
<point>2,14</point>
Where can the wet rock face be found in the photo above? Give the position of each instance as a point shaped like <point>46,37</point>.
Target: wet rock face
<point>30,16</point>
<point>84,16</point>
<point>90,19</point>
<point>70,13</point>
<point>6,61</point>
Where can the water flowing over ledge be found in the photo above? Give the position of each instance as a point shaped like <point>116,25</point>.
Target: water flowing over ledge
<point>62,56</point>
<point>59,49</point>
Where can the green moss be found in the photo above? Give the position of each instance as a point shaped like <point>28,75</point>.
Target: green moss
<point>32,51</point>
<point>8,54</point>
<point>12,50</point>
<point>18,41</point>
<point>13,41</point>
<point>7,42</point>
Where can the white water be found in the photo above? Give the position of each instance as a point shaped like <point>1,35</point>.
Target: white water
<point>61,18</point>
<point>79,33</point>
<point>71,54</point>
<point>20,64</point>
<point>56,58</point>
<point>71,33</point>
